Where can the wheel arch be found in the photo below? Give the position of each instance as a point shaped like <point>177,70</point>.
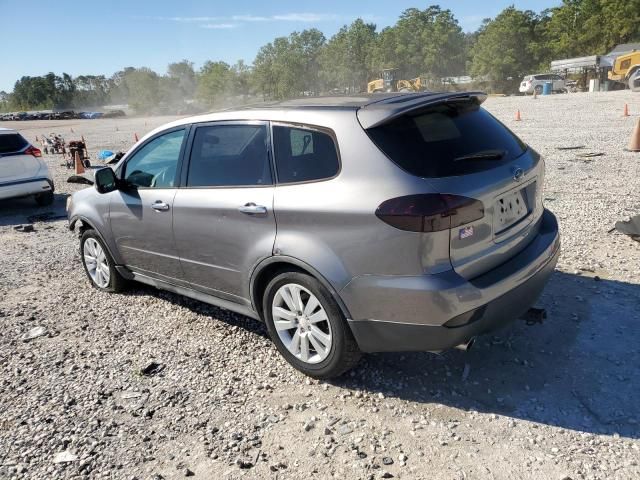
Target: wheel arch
<point>86,224</point>
<point>631,71</point>
<point>272,266</point>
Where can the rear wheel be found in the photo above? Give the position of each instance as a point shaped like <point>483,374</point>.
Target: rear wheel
<point>44,199</point>
<point>308,327</point>
<point>98,264</point>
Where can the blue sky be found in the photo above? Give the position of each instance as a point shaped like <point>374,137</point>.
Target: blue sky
<point>101,37</point>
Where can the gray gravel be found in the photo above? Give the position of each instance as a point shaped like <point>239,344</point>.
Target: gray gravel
<point>552,401</point>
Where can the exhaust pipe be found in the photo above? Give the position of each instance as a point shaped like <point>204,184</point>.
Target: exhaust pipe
<point>466,346</point>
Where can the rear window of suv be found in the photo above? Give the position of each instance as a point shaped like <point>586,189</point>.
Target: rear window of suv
<point>447,140</point>
<point>12,142</point>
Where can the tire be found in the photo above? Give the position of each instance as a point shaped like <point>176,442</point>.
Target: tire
<point>538,89</point>
<point>115,282</point>
<point>342,353</point>
<point>44,199</point>
<point>634,81</point>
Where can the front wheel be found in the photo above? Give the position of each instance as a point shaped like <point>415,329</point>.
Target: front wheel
<point>538,89</point>
<point>98,264</point>
<point>634,81</point>
<point>308,327</point>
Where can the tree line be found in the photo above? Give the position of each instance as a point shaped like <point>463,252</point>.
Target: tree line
<point>429,43</point>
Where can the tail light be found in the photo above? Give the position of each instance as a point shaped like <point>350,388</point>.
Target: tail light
<point>430,212</point>
<point>33,151</point>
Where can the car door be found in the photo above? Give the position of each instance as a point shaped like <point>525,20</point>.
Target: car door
<point>141,211</point>
<point>223,217</point>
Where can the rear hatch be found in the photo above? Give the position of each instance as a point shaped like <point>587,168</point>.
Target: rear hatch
<point>489,182</point>
<point>526,82</point>
<point>14,163</point>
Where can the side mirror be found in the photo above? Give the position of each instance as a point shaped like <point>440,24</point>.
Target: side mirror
<point>105,180</point>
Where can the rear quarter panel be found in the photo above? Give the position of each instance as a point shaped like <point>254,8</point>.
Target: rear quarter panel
<point>331,225</point>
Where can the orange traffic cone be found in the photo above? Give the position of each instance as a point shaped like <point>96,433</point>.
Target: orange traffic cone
<point>625,112</point>
<point>79,166</point>
<point>634,143</point>
<point>518,118</point>
<point>135,137</point>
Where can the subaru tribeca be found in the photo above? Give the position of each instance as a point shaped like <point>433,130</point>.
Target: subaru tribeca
<point>393,222</point>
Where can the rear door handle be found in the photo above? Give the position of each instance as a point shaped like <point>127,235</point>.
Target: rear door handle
<point>160,206</point>
<point>253,209</point>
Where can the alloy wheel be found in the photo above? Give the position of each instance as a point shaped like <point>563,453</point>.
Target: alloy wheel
<point>301,323</point>
<point>96,262</point>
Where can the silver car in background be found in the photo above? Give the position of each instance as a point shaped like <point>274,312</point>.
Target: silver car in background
<point>393,222</point>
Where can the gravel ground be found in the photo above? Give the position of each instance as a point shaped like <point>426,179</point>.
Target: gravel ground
<point>552,401</point>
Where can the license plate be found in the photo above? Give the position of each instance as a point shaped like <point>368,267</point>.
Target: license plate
<point>509,209</point>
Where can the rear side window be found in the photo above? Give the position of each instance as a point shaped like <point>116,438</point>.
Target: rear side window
<point>12,142</point>
<point>447,140</point>
<point>304,155</point>
<point>229,155</point>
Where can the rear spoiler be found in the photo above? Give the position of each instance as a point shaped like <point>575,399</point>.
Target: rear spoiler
<point>388,109</point>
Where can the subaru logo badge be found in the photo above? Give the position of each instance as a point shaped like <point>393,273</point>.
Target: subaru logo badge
<point>518,174</point>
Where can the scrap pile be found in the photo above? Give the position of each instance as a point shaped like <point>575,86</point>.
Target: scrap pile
<point>54,143</point>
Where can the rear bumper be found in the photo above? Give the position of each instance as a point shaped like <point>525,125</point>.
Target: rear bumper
<point>23,188</point>
<point>437,312</point>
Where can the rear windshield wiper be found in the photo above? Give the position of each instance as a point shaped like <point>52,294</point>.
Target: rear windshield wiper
<point>483,155</point>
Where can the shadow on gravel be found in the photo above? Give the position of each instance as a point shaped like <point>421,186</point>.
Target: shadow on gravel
<point>579,370</point>
<point>16,211</point>
<point>216,314</point>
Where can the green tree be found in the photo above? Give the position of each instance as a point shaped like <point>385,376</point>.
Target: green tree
<point>505,49</point>
<point>289,66</point>
<point>214,83</point>
<point>185,77</point>
<point>142,85</point>
<point>589,27</point>
<point>423,42</point>
<point>347,58</point>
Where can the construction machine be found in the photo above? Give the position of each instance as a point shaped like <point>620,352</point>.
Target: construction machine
<point>626,69</point>
<point>390,82</point>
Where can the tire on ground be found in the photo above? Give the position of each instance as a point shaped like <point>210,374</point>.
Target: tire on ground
<point>117,282</point>
<point>344,352</point>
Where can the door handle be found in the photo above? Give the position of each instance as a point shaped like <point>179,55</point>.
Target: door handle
<point>160,206</point>
<point>253,209</point>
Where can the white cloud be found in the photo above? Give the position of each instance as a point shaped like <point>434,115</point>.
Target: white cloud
<point>250,18</point>
<point>304,17</point>
<point>219,26</point>
<point>192,19</point>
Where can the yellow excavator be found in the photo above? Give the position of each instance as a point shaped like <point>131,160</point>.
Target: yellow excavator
<point>626,69</point>
<point>390,82</point>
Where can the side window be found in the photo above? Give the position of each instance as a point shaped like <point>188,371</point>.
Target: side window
<point>229,155</point>
<point>155,165</point>
<point>303,155</point>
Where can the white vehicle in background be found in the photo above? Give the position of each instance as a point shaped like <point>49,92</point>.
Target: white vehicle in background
<point>535,83</point>
<point>22,171</point>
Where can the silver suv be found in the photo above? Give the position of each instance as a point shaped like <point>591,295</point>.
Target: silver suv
<point>350,224</point>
